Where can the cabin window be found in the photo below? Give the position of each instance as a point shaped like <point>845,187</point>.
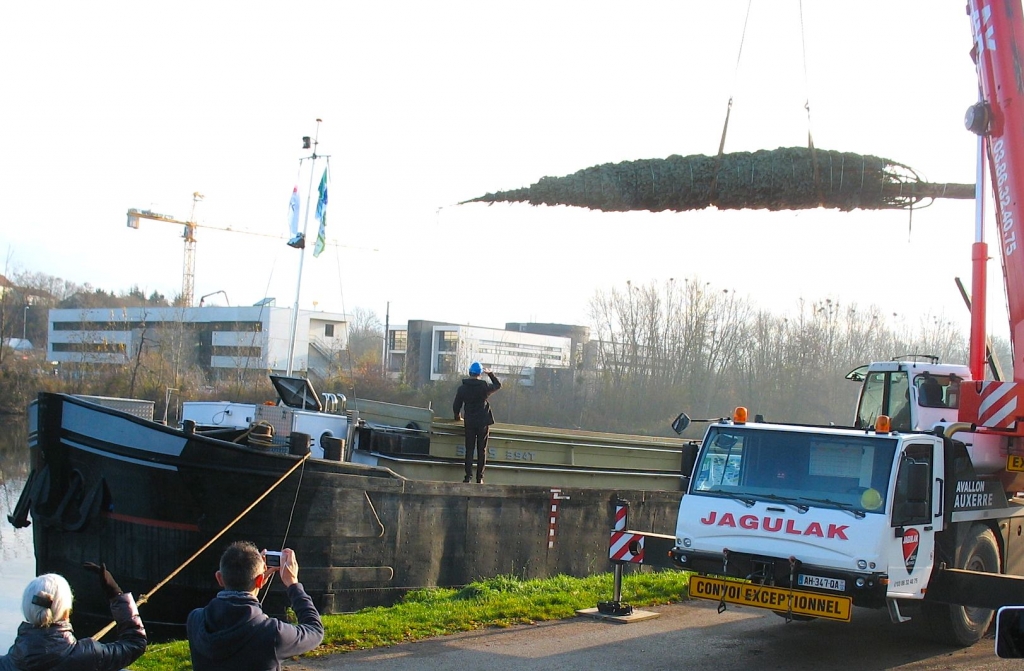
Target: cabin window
<point>798,468</point>
<point>938,391</point>
<point>899,401</point>
<point>885,394</point>
<point>912,502</point>
<point>872,395</point>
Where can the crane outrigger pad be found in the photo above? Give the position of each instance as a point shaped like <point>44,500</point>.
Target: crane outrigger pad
<point>975,589</point>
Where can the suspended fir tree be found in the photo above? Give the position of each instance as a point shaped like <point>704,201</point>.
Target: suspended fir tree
<point>787,178</point>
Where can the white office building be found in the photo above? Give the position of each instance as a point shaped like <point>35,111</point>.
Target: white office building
<point>215,338</point>
<point>436,351</point>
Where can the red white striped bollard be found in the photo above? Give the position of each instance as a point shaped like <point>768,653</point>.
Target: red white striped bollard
<point>621,513</point>
<point>619,551</point>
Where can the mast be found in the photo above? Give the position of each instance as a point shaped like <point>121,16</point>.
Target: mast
<point>302,250</point>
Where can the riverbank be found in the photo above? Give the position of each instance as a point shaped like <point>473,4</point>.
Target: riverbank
<point>501,602</point>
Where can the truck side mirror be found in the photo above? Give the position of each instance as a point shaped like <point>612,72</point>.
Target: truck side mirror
<point>1010,632</point>
<point>680,423</point>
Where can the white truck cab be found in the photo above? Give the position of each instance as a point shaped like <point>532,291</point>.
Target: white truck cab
<point>810,521</point>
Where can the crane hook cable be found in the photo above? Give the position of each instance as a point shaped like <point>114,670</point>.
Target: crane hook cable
<point>728,107</point>
<point>807,106</point>
<point>145,597</point>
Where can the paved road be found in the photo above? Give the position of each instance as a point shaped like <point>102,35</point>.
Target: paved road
<point>687,636</point>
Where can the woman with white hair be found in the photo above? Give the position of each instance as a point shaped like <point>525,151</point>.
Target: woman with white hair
<point>47,641</point>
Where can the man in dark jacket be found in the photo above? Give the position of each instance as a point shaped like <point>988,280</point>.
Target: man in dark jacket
<point>232,632</point>
<point>472,394</point>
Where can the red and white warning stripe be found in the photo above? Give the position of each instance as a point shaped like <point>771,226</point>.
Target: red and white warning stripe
<point>626,546</point>
<point>556,496</point>
<point>1000,404</point>
<point>621,512</point>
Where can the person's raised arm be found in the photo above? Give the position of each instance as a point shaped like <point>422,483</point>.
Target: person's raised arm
<point>309,632</point>
<point>131,634</point>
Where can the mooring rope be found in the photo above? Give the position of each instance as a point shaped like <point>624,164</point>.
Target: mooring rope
<point>145,597</point>
<point>287,528</point>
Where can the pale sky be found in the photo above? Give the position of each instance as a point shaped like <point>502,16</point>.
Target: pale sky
<point>110,106</point>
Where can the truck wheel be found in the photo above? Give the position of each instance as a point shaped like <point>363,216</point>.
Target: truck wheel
<point>960,625</point>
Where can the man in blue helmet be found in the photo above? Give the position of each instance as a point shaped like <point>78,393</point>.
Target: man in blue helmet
<point>472,394</point>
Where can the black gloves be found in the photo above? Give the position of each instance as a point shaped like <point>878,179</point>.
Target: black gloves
<point>107,583</point>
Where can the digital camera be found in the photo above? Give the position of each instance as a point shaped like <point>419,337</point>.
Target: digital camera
<point>273,558</point>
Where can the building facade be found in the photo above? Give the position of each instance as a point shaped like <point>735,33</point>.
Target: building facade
<point>438,350</point>
<point>214,338</point>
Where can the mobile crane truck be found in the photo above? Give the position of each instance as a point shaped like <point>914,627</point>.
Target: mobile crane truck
<point>915,507</point>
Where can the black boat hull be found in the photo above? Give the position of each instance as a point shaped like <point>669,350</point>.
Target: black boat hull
<point>144,498</point>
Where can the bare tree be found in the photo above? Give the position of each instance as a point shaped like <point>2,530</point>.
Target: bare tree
<point>365,340</point>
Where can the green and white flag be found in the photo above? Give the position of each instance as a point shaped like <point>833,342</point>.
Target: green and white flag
<point>321,215</point>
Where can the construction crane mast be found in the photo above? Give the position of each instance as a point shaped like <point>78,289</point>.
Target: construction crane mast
<point>188,273</point>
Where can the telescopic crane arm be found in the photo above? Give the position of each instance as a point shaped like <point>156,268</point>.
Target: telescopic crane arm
<point>999,117</point>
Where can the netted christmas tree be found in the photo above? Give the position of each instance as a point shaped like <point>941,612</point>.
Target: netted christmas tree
<point>788,178</point>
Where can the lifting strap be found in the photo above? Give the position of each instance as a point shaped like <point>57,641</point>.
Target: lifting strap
<point>728,108</point>
<point>807,106</point>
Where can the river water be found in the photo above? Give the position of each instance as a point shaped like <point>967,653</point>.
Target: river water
<point>17,559</point>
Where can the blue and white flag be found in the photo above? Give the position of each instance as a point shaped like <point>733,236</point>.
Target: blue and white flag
<point>321,215</point>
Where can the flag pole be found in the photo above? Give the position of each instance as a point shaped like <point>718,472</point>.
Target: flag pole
<point>302,256</point>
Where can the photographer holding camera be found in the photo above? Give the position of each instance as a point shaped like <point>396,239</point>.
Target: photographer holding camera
<point>232,631</point>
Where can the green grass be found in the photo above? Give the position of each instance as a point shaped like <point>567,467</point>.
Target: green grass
<point>503,601</point>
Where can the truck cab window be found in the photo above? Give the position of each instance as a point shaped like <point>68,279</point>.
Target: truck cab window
<point>899,401</point>
<point>938,391</point>
<point>929,391</point>
<point>721,463</point>
<point>912,502</point>
<point>885,393</point>
<point>871,398</point>
<point>953,391</point>
<point>849,472</point>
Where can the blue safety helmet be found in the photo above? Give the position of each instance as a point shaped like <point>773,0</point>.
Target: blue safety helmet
<point>475,368</point>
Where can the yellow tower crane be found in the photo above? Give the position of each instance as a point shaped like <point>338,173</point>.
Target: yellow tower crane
<point>188,273</point>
